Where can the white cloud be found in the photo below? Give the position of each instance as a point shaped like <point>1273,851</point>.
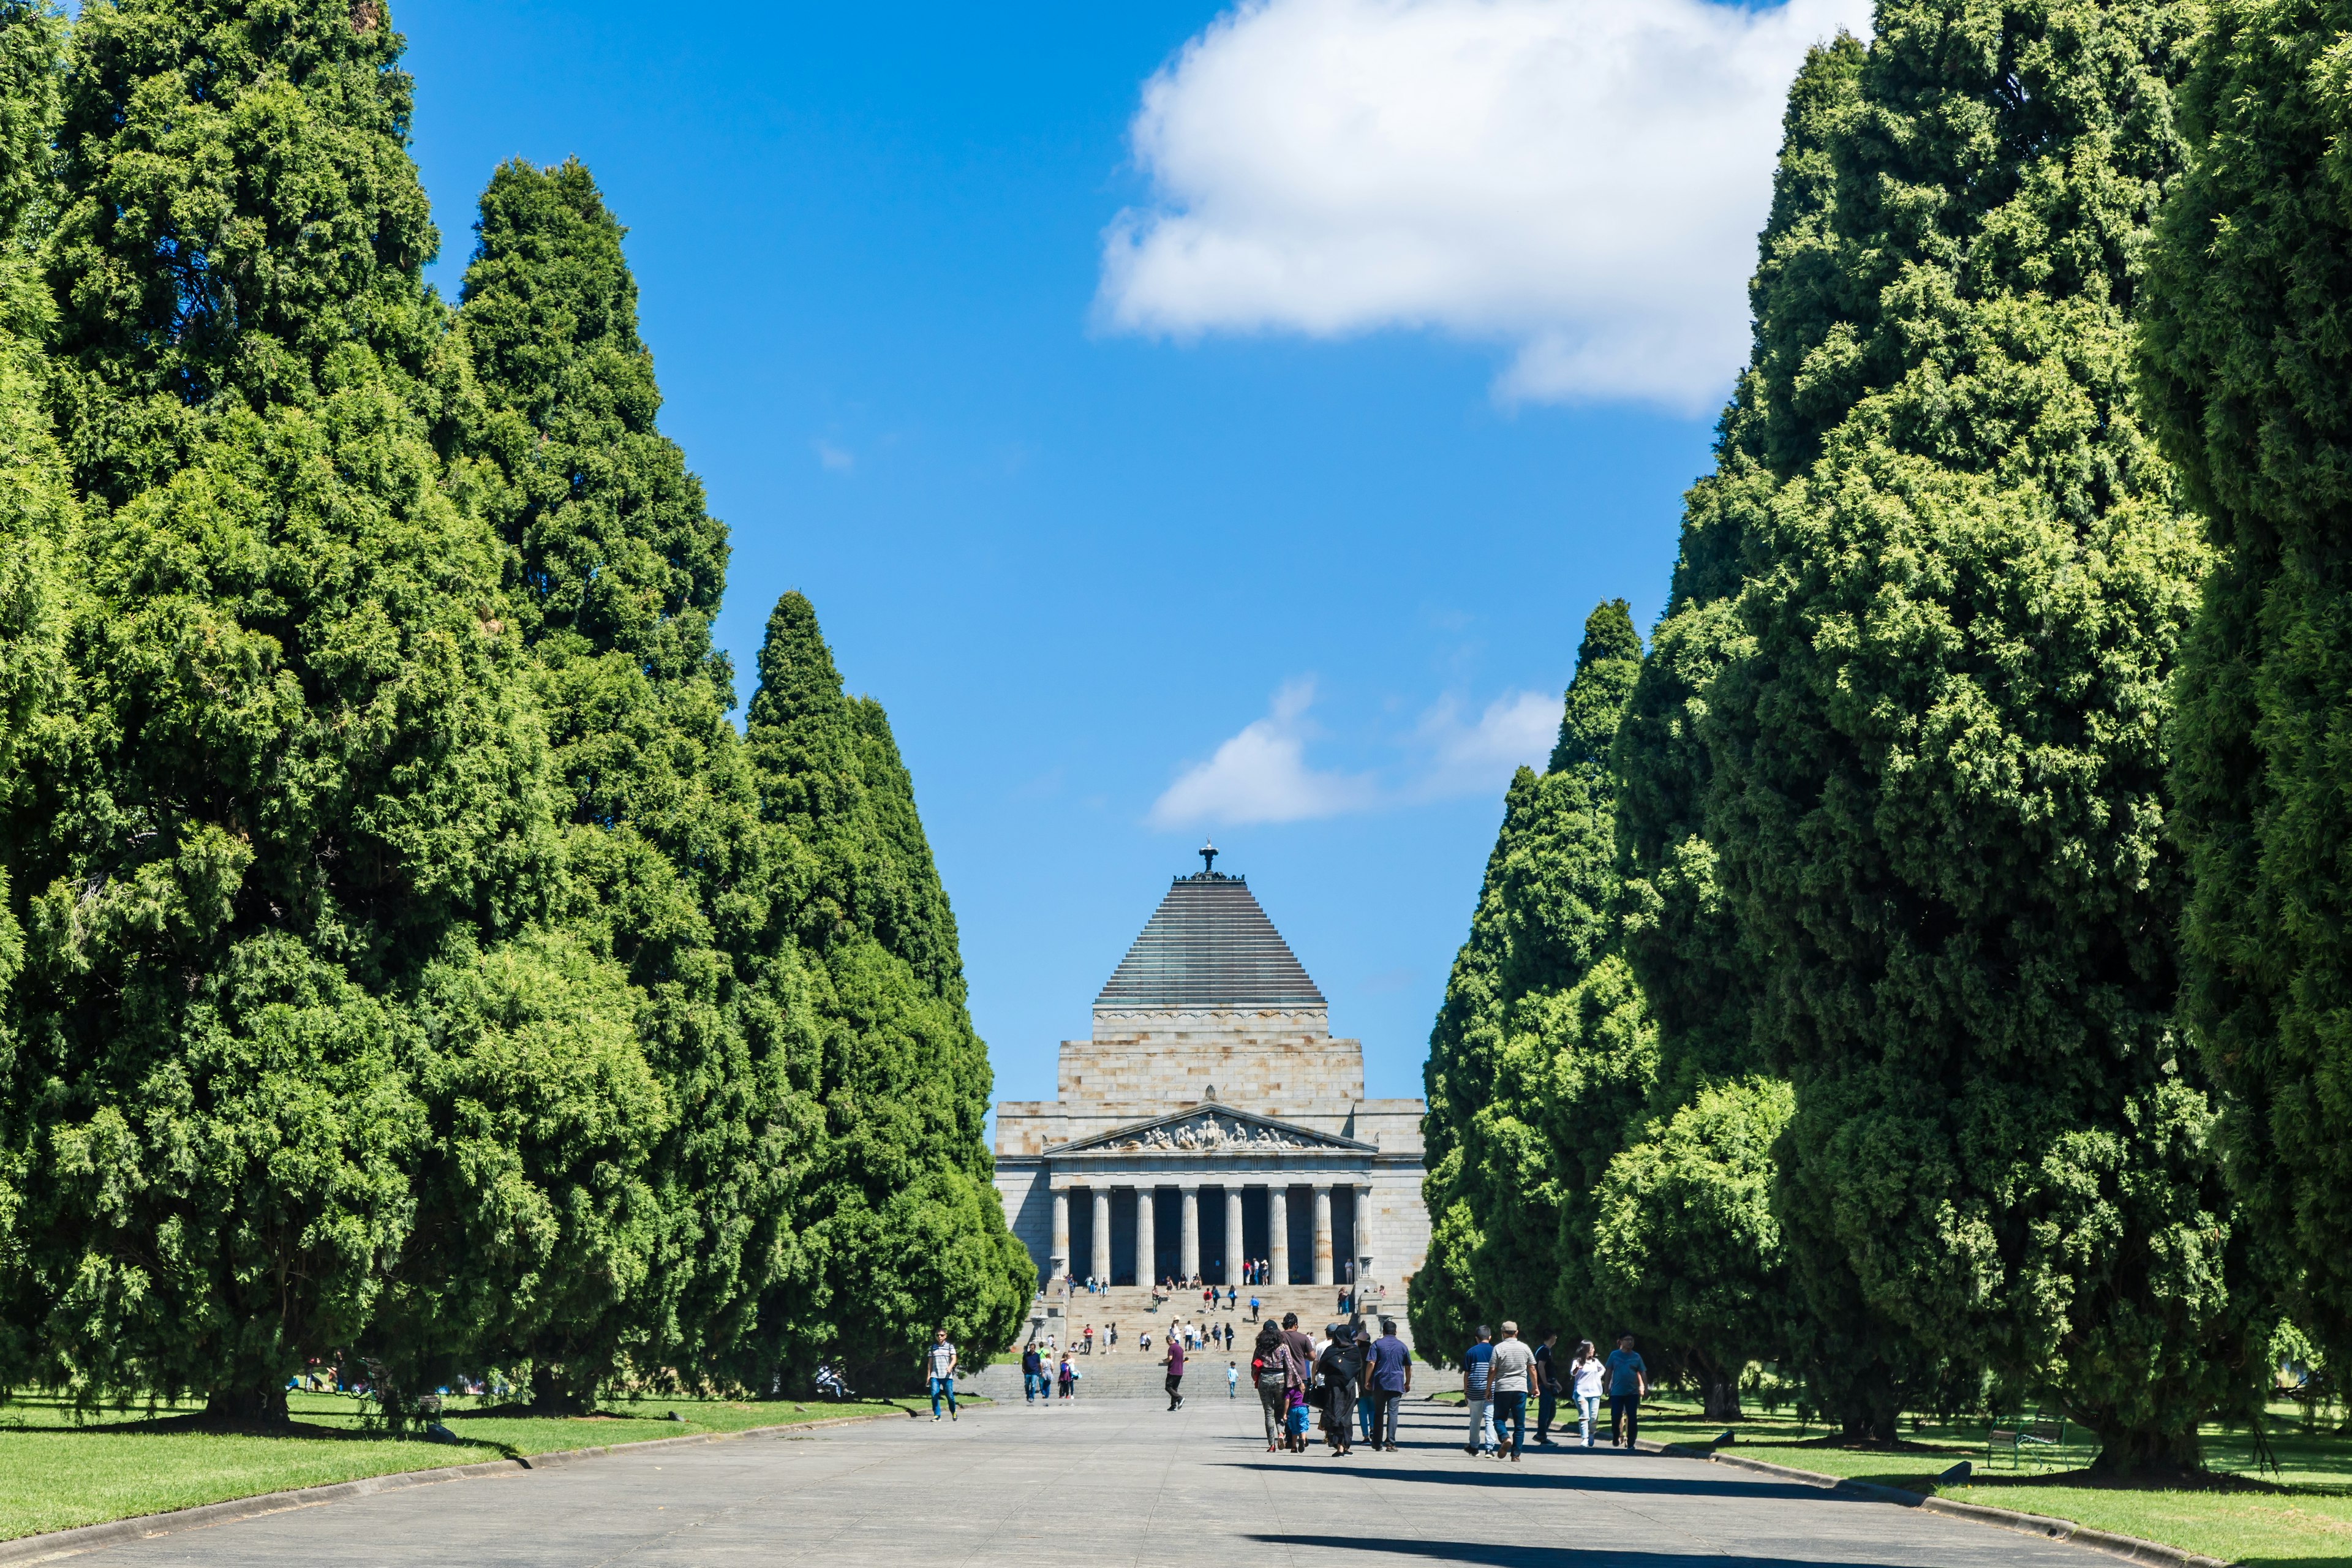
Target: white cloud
<point>1479,755</point>
<point>832,458</point>
<point>1583,179</point>
<point>1260,776</point>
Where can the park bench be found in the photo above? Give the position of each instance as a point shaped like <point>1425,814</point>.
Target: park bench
<point>2021,1435</point>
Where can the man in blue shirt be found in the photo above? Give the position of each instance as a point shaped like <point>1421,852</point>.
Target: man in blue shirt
<point>1629,1379</point>
<point>1390,1373</point>
<point>1475,1361</point>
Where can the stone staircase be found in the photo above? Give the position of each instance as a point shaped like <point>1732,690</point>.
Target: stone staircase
<point>1127,1370</point>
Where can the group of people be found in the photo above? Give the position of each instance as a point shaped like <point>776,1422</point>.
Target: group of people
<point>1499,1376</point>
<point>1298,1376</point>
<point>1040,1376</point>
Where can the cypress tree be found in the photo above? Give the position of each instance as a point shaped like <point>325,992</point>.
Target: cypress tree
<point>1937,791</point>
<point>900,1221</point>
<point>1723,1287</point>
<point>616,566</point>
<point>37,519</point>
<point>1542,1053</point>
<point>297,764</point>
<point>2249,378</point>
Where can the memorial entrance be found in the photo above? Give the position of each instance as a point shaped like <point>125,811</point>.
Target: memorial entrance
<point>1209,1119</point>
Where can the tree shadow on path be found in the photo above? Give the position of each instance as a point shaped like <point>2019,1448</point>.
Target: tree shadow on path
<point>1650,1484</point>
<point>1499,1555</point>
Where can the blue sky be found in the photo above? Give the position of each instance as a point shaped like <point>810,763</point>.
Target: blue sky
<point>1093,516</point>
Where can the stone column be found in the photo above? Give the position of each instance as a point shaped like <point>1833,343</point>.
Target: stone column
<point>1323,1233</point>
<point>1100,1264</point>
<point>1059,1263</point>
<point>1363,1232</point>
<point>1188,1260</point>
<point>1278,1233</point>
<point>1146,1244</point>
<point>1232,1234</point>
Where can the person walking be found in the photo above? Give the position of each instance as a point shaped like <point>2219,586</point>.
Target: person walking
<point>1389,1371</point>
<point>939,1366</point>
<point>1509,1375</point>
<point>1033,1373</point>
<point>1272,1373</point>
<point>1069,1377</point>
<point>1174,1362</point>
<point>1232,1381</point>
<point>1302,1355</point>
<point>1475,1363</point>
<point>1253,1309</point>
<point>1342,1366</point>
<point>1584,1385</point>
<point>1547,1387</point>
<point>1088,1347</point>
<point>1629,1383</point>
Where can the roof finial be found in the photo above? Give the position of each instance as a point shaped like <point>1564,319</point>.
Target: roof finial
<point>1208,859</point>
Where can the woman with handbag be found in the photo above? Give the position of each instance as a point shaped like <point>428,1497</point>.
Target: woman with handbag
<point>1270,1371</point>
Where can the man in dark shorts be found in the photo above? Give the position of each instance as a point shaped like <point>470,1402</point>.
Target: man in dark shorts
<point>1174,1360</point>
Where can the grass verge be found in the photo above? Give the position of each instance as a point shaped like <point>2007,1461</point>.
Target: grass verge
<point>57,1473</point>
<point>2298,1515</point>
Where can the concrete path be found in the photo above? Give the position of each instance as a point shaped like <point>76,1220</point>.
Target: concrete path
<point>1112,1482</point>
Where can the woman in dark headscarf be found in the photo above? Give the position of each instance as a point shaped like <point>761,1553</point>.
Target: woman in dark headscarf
<point>1342,1366</point>
<point>1271,1370</point>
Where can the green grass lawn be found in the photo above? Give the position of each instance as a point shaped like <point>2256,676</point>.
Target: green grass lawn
<point>2297,1516</point>
<point>55,1473</point>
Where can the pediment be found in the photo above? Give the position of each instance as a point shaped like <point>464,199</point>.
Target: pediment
<point>1210,1129</point>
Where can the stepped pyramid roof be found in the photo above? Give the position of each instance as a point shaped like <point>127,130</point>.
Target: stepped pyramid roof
<point>1208,946</point>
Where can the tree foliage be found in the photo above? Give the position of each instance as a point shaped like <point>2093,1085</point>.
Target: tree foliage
<point>901,1223</point>
<point>1543,1051</point>
<point>2249,378</point>
<point>616,567</point>
<point>1937,788</point>
<point>398,959</point>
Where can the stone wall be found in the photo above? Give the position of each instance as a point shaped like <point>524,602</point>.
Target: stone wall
<point>1259,1060</point>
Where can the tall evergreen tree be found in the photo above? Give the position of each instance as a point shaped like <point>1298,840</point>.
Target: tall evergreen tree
<point>37,511</point>
<point>2249,375</point>
<point>1726,1291</point>
<point>1937,773</point>
<point>901,1220</point>
<point>1542,1055</point>
<point>296,763</point>
<point>616,567</point>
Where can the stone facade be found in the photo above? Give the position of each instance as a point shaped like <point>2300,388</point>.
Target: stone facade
<point>1211,1116</point>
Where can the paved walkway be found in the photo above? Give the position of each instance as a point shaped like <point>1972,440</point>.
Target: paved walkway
<point>1113,1482</point>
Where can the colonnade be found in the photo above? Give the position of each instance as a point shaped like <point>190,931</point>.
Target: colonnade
<point>1277,1218</point>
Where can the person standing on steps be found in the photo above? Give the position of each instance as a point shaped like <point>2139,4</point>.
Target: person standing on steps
<point>1629,1382</point>
<point>1033,1373</point>
<point>1584,1385</point>
<point>939,1366</point>
<point>1475,1363</point>
<point>1253,1309</point>
<point>1508,1374</point>
<point>1069,1377</point>
<point>1174,1362</point>
<point>1547,1387</point>
<point>1389,1372</point>
<point>1232,1381</point>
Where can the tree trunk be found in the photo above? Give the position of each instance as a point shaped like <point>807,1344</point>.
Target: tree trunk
<point>553,1393</point>
<point>1722,1398</point>
<point>2148,1453</point>
<point>263,1406</point>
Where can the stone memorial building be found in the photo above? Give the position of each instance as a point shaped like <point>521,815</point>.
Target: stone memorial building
<point>1211,1118</point>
